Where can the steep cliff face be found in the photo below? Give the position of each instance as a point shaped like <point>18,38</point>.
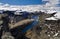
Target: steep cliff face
<point>46,29</point>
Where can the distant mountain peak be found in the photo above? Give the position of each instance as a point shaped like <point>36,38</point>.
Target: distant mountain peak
<point>29,8</point>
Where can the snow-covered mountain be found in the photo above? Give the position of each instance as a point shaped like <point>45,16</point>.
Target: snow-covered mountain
<point>29,8</point>
<point>55,17</point>
<point>32,8</point>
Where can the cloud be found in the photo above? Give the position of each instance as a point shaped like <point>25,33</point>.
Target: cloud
<point>29,8</point>
<point>1,3</point>
<point>54,1</point>
<point>6,4</point>
<point>52,5</point>
<point>45,0</point>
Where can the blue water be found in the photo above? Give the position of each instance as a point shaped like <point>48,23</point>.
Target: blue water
<point>35,22</point>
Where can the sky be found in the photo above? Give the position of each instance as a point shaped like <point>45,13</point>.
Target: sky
<point>29,2</point>
<point>22,2</point>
